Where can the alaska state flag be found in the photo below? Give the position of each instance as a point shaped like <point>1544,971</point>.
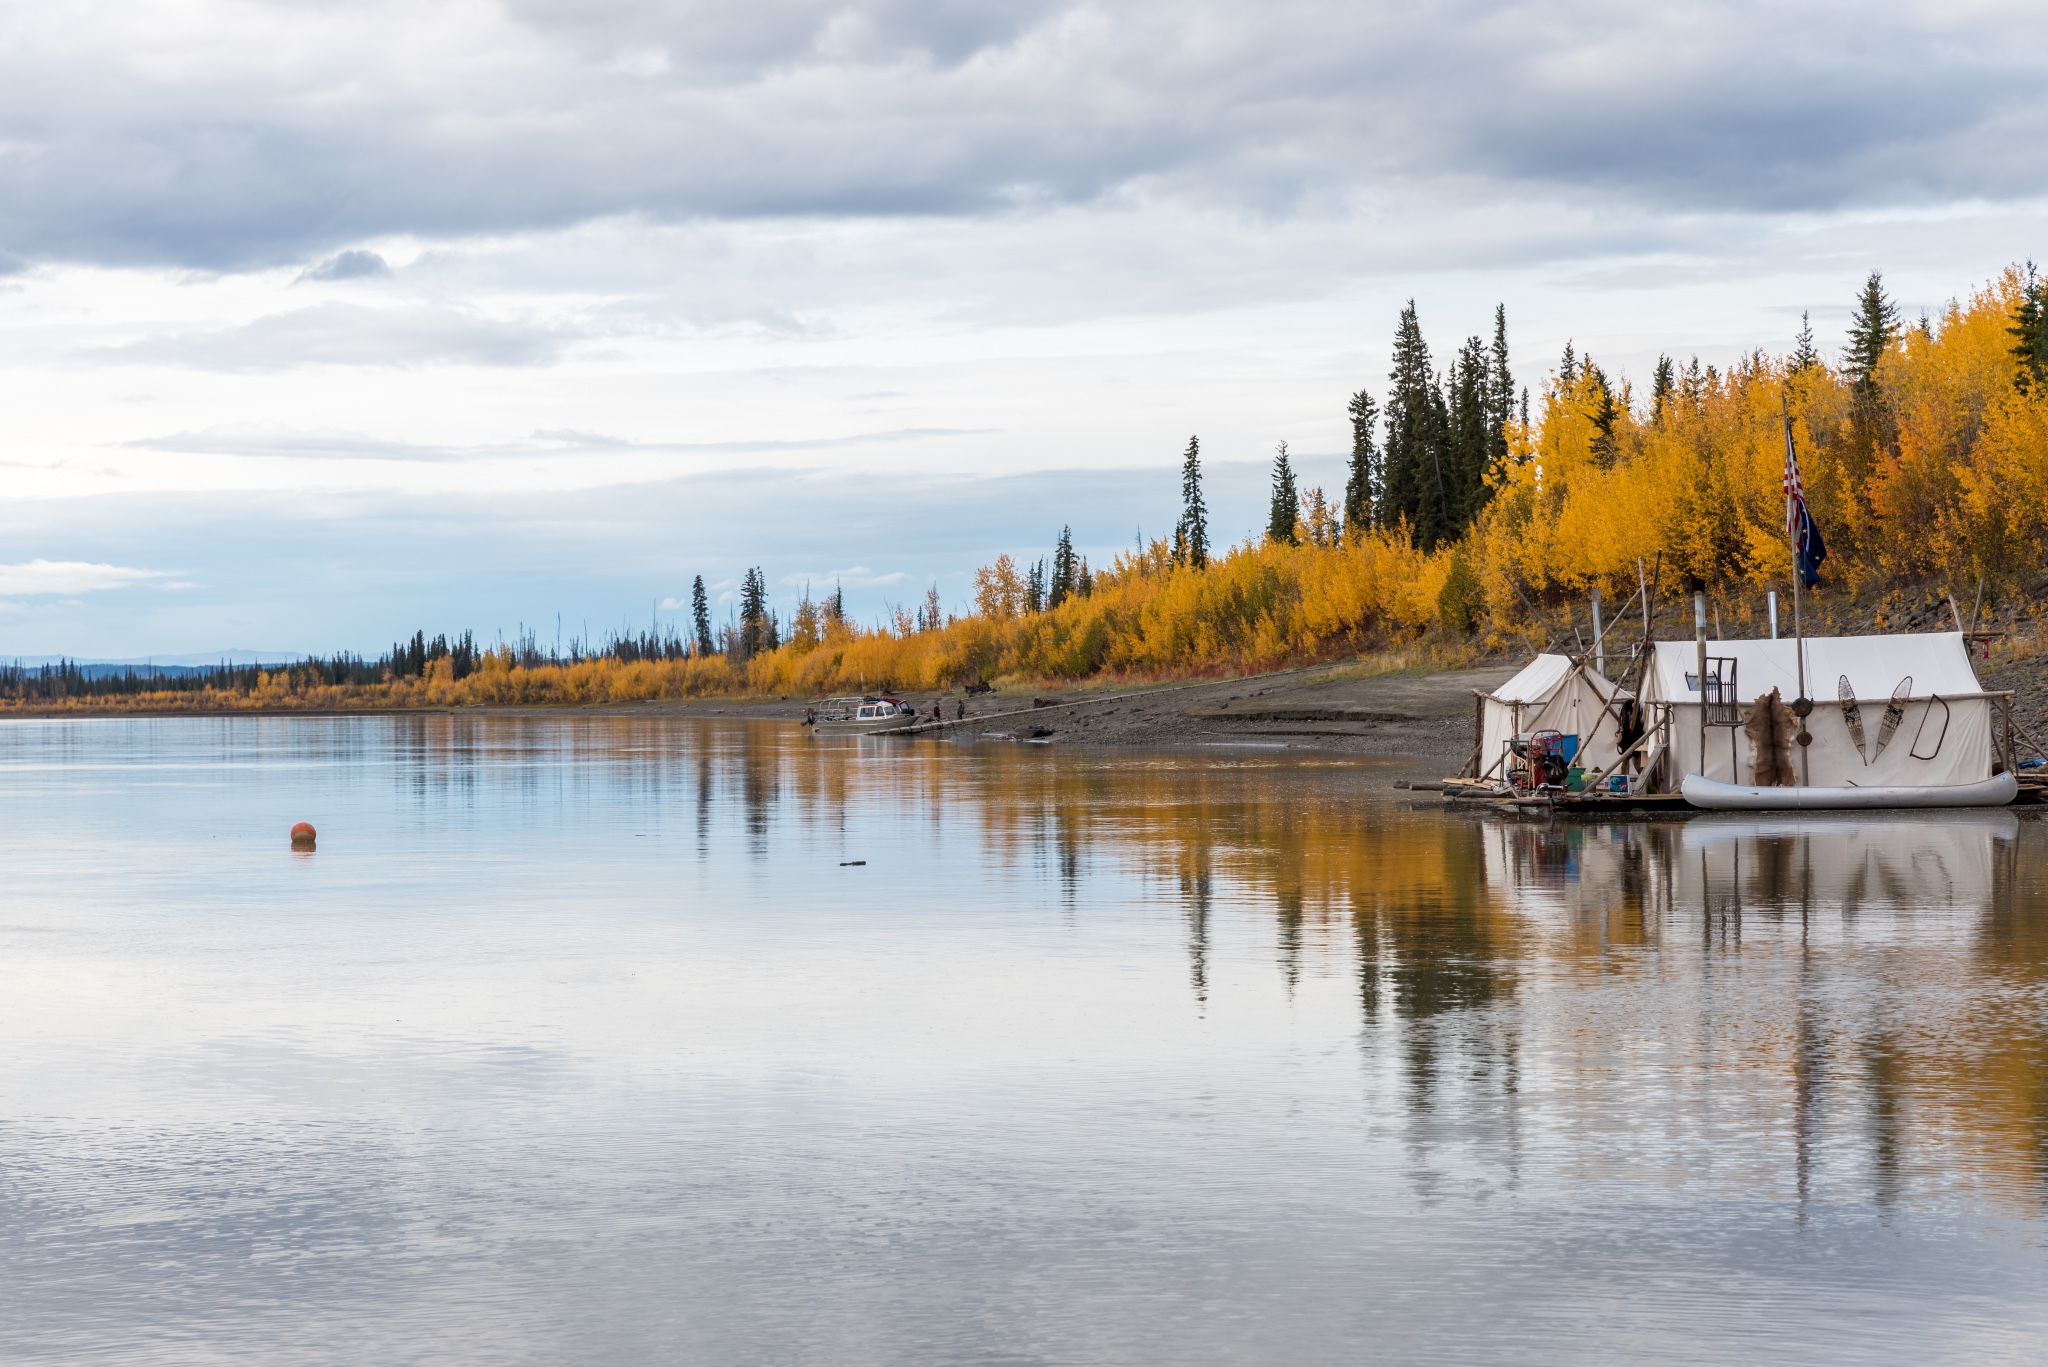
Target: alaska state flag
<point>1808,550</point>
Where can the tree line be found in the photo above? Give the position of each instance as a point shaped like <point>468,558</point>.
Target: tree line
<point>1423,460</point>
<point>1924,447</point>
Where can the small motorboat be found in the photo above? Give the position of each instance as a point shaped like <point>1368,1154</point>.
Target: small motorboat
<point>860,716</point>
<point>1716,796</point>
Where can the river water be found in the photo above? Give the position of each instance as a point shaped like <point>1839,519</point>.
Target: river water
<point>582,1040</point>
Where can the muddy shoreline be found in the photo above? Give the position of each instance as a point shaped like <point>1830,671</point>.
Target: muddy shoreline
<point>1421,715</point>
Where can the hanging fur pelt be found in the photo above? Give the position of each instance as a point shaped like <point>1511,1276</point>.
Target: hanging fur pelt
<point>1770,729</point>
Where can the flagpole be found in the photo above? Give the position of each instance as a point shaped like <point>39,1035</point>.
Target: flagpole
<point>1803,706</point>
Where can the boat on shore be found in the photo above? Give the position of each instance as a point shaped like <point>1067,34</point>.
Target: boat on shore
<point>865,716</point>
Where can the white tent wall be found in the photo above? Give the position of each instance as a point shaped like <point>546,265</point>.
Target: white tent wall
<point>1946,737</point>
<point>1551,694</point>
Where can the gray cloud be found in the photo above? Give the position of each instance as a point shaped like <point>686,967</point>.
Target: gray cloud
<point>354,264</point>
<point>218,151</point>
<point>349,334</point>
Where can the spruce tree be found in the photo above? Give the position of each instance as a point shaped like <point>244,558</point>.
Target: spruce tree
<point>1871,334</point>
<point>1568,368</point>
<point>1034,587</point>
<point>1413,485</point>
<point>1803,356</point>
<point>752,605</point>
<point>1191,533</point>
<point>1062,586</point>
<point>1358,484</point>
<point>700,616</point>
<point>1503,393</point>
<point>754,628</point>
<point>1605,411</point>
<point>1661,382</point>
<point>1470,435</point>
<point>2030,333</point>
<point>1286,507</point>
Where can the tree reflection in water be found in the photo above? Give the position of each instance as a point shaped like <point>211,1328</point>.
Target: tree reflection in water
<point>1866,995</point>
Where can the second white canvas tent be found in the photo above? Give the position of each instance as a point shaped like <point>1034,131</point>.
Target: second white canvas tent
<point>1947,735</point>
<point>1550,694</point>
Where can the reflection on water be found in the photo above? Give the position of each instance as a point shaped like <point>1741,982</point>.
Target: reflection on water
<point>582,1040</point>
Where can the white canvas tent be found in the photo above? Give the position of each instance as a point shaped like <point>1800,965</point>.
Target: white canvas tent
<point>1948,734</point>
<point>1551,694</point>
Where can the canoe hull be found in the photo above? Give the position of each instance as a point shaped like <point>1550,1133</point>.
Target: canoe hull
<point>1715,796</point>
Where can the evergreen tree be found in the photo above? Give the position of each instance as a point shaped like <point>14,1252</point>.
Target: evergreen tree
<point>755,630</point>
<point>1084,582</point>
<point>2030,333</point>
<point>1358,484</point>
<point>835,606</point>
<point>1286,507</point>
<point>1871,334</point>
<point>1191,533</point>
<point>1605,411</point>
<point>1034,588</point>
<point>1568,368</point>
<point>1062,586</point>
<point>1503,396</point>
<point>1803,355</point>
<point>1413,484</point>
<point>1661,382</point>
<point>1469,433</point>
<point>700,616</point>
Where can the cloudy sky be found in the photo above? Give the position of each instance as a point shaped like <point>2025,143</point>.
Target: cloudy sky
<point>323,321</point>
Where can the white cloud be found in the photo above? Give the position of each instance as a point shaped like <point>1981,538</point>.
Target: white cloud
<point>354,335</point>
<point>854,577</point>
<point>36,577</point>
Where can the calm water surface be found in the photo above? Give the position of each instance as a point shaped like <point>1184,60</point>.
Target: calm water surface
<point>579,1042</point>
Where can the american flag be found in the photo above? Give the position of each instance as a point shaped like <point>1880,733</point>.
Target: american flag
<point>1807,549</point>
<point>1795,492</point>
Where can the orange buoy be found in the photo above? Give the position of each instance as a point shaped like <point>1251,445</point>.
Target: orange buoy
<point>303,835</point>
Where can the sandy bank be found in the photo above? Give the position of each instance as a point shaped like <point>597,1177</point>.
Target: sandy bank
<point>1426,715</point>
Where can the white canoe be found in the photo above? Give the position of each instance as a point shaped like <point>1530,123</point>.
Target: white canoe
<point>1737,797</point>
